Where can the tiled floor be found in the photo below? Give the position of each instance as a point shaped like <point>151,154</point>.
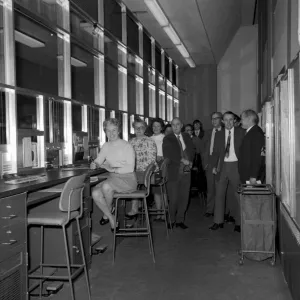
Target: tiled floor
<point>190,265</point>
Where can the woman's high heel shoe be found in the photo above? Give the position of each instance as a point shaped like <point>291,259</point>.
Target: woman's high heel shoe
<point>103,221</point>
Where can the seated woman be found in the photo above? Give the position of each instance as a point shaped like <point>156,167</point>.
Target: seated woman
<point>117,157</point>
<point>145,153</point>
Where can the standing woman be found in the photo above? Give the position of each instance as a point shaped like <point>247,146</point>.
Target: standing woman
<point>158,136</point>
<point>118,158</point>
<point>199,133</point>
<point>145,153</point>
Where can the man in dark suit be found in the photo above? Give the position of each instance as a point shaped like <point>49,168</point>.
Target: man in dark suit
<point>225,162</point>
<point>209,140</point>
<point>250,161</point>
<point>179,149</point>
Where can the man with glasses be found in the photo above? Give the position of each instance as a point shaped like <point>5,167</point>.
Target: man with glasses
<point>225,167</point>
<point>209,140</point>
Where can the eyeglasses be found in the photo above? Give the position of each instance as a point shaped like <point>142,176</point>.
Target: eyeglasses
<point>139,128</point>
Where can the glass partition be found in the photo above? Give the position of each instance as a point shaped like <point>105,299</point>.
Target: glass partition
<point>36,56</point>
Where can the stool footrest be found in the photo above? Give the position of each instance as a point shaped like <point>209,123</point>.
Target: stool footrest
<point>133,234</point>
<point>57,277</point>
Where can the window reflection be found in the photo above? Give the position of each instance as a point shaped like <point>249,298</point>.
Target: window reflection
<point>158,58</point>
<point>167,67</point>
<point>93,123</point>
<point>111,86</point>
<point>26,112</point>
<point>131,93</point>
<point>111,49</point>
<point>36,56</point>
<point>174,74</point>
<point>77,117</point>
<point>82,63</point>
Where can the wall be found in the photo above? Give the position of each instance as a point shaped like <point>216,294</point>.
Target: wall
<point>237,73</point>
<point>198,96</point>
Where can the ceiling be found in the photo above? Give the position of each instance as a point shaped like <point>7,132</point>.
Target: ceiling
<point>206,27</point>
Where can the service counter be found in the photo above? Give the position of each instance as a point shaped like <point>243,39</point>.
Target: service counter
<point>20,246</point>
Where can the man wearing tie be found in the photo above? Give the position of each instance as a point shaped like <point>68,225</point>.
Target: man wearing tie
<point>209,139</point>
<point>225,163</point>
<point>178,148</point>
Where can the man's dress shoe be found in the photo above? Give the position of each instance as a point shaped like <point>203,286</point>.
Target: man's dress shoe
<point>216,226</point>
<point>237,228</point>
<point>207,215</point>
<point>181,225</point>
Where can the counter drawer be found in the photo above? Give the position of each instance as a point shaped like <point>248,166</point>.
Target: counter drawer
<point>12,209</point>
<point>12,236</point>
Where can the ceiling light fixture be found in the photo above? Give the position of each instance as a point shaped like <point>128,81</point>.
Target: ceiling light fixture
<point>163,21</point>
<point>28,40</point>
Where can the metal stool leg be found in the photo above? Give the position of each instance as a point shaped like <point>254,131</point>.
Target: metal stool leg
<point>42,260</point>
<point>68,262</point>
<point>149,229</point>
<point>83,259</point>
<point>168,207</point>
<point>114,237</point>
<point>164,208</point>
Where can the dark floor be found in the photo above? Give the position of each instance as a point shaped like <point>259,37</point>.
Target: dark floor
<point>192,264</point>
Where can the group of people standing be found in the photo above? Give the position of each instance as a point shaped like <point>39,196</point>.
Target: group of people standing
<point>223,157</point>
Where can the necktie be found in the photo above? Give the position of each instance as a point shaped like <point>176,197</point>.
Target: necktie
<point>180,144</point>
<point>212,141</point>
<point>228,144</point>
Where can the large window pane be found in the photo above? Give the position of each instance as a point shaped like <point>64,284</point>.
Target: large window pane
<point>131,93</point>
<point>158,59</point>
<point>76,117</point>
<point>111,86</point>
<point>1,46</point>
<point>167,67</point>
<point>113,18</point>
<point>93,124</point>
<point>131,62</point>
<point>111,49</point>
<point>147,48</point>
<point>36,56</point>
<point>3,139</point>
<point>174,81</point>
<point>162,105</point>
<point>132,35</point>
<point>297,138</point>
<point>82,75</point>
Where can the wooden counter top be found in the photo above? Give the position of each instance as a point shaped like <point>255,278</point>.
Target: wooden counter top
<point>53,177</point>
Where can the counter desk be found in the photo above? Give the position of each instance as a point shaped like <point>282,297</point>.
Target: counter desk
<point>20,247</point>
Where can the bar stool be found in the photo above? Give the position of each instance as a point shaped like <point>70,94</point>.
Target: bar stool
<point>141,231</point>
<point>70,208</point>
<point>163,192</point>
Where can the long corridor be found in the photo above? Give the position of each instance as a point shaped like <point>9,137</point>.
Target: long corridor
<point>193,264</point>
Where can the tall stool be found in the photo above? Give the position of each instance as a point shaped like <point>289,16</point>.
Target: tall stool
<point>70,208</point>
<point>141,231</point>
<point>163,192</point>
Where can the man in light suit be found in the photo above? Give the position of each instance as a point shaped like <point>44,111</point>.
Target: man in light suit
<point>250,151</point>
<point>179,149</point>
<point>225,162</point>
<point>209,140</point>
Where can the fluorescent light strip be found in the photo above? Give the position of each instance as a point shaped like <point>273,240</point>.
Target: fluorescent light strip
<point>162,92</point>
<point>122,48</point>
<point>170,97</point>
<point>157,12</point>
<point>169,83</point>
<point>77,63</point>
<point>28,40</point>
<point>163,21</point>
<point>139,79</point>
<point>176,100</point>
<point>138,60</point>
<point>151,86</point>
<point>122,69</point>
<point>169,30</point>
<point>175,88</point>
